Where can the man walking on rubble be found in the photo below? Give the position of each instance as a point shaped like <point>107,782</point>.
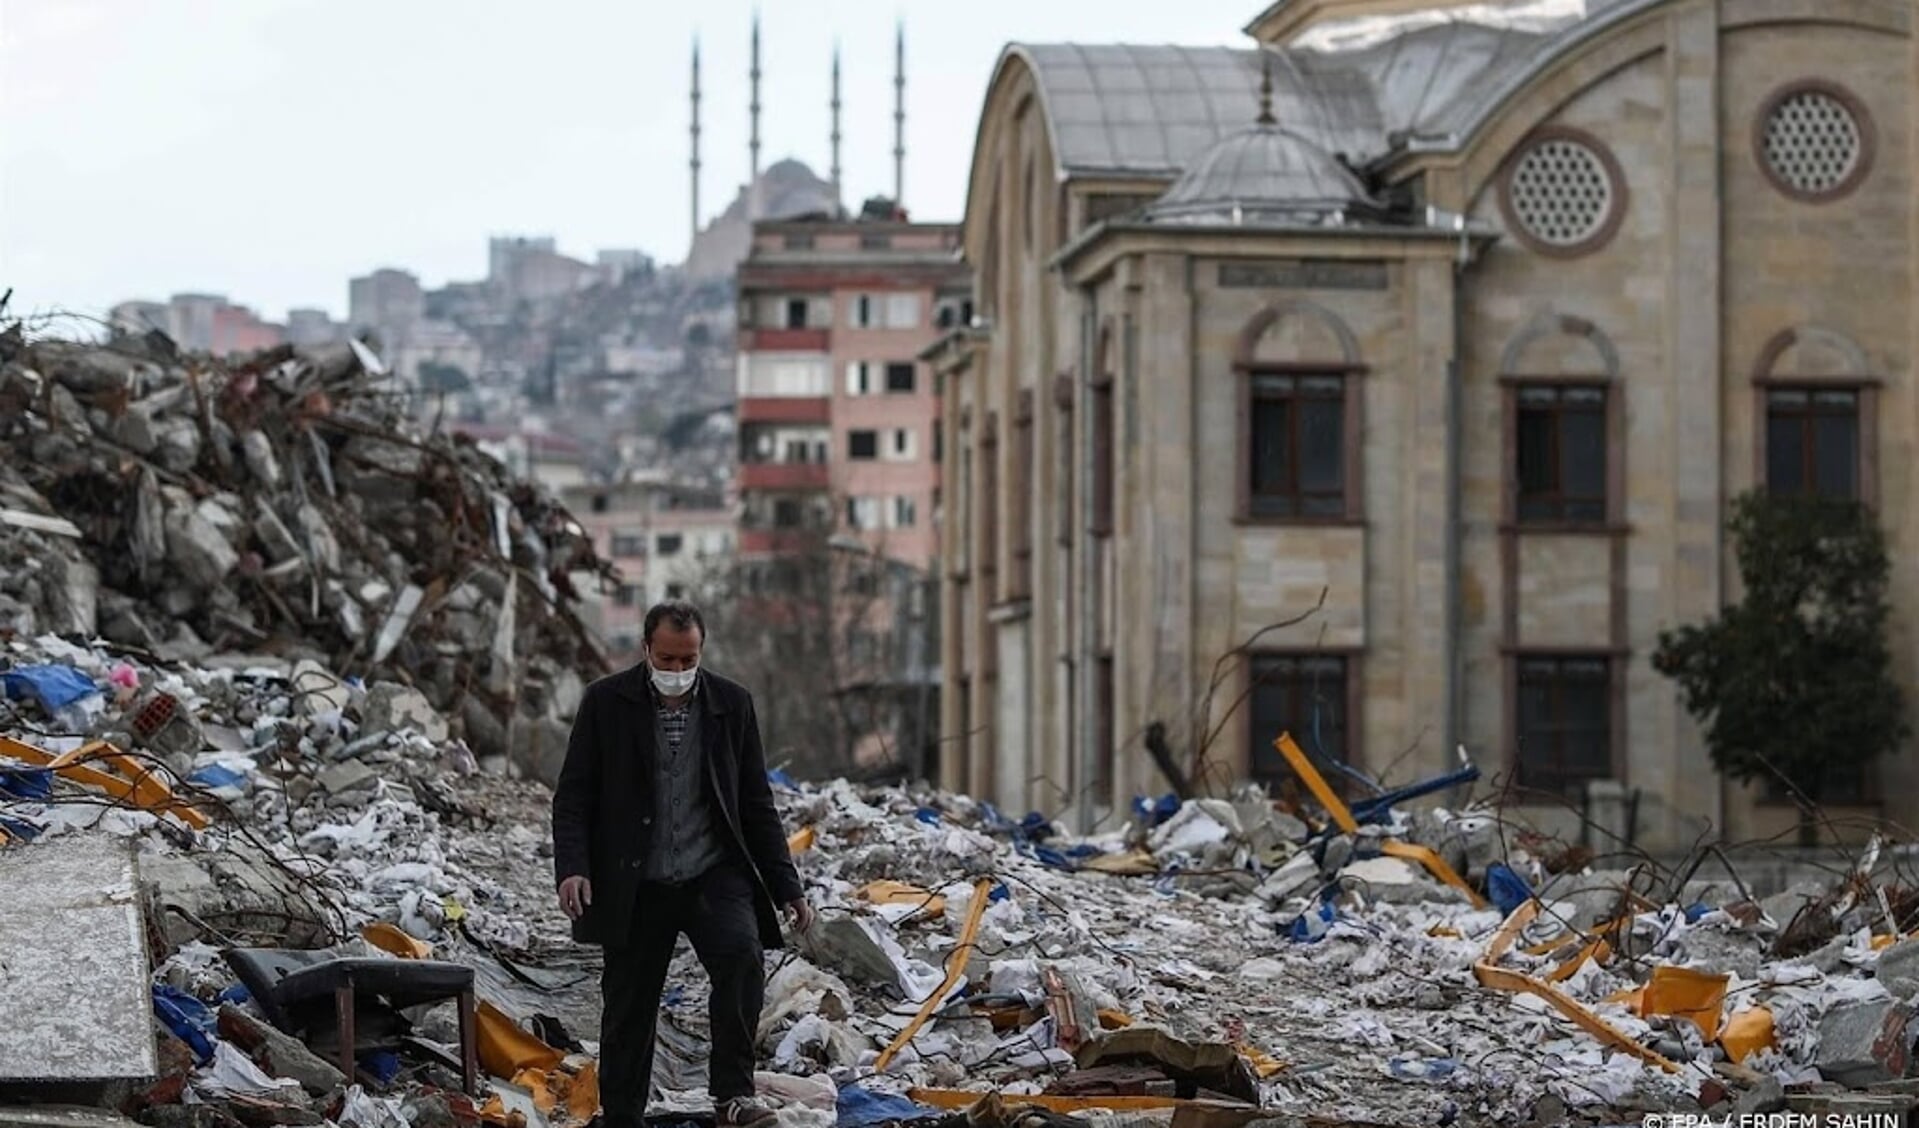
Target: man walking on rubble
<point>663,823</point>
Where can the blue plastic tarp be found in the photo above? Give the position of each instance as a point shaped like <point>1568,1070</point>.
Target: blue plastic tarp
<point>1506,889</point>
<point>862,1108</point>
<point>54,687</point>
<point>1054,857</point>
<point>19,828</point>
<point>189,1019</point>
<point>26,783</point>
<point>384,1065</point>
<point>213,777</point>
<point>1152,812</point>
<point>778,778</point>
<point>1313,924</point>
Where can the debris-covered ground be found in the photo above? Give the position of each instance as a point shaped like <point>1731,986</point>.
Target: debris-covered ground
<point>1215,951</point>
<point>217,739</point>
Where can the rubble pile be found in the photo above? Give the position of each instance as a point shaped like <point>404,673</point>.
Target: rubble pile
<point>1348,980</point>
<point>285,505</point>
<point>282,807</point>
<point>1219,960</point>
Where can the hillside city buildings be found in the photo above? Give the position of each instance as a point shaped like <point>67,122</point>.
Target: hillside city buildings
<point>1443,332</point>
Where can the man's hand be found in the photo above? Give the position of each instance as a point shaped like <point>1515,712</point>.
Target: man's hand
<point>800,914</point>
<point>576,893</point>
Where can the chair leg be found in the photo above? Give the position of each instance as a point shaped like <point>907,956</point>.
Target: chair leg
<point>469,1044</point>
<point>343,1013</point>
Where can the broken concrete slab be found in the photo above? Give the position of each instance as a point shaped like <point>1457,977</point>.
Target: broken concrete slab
<point>1898,970</point>
<point>351,775</point>
<point>280,1054</point>
<point>1395,881</point>
<point>844,944</point>
<point>1864,1043</point>
<point>538,746</point>
<point>391,707</point>
<point>83,889</point>
<point>199,549</point>
<point>1767,1096</point>
<point>61,1116</point>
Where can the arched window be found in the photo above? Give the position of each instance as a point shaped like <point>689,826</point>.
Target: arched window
<point>1561,417</point>
<point>1818,411</point>
<point>1299,410</point>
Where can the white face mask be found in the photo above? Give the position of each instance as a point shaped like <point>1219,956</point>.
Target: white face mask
<point>672,683</point>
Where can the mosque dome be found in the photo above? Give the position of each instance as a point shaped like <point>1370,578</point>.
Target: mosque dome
<point>1264,174</point>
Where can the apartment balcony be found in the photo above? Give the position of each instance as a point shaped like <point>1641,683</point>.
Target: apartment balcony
<point>772,542</point>
<point>783,476</point>
<point>785,409</point>
<point>787,340</point>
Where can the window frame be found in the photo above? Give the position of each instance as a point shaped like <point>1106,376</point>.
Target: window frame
<point>1860,379</point>
<point>1769,792</point>
<point>1066,457</point>
<point>1806,416</point>
<point>1511,386</point>
<point>1352,460</point>
<point>989,511</point>
<point>852,437</point>
<point>1351,696</point>
<point>868,504</point>
<point>912,377</point>
<point>1020,527</point>
<point>1515,391</point>
<point>859,378</point>
<point>1105,423</point>
<point>1615,664</point>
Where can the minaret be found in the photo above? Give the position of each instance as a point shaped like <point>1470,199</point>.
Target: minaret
<point>837,197</point>
<point>899,115</point>
<point>753,141</point>
<point>695,163</point>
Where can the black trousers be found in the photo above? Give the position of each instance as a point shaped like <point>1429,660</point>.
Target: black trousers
<point>716,913</point>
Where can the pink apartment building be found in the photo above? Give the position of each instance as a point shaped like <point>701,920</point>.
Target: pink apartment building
<point>666,539</point>
<point>838,418</point>
<point>839,465</point>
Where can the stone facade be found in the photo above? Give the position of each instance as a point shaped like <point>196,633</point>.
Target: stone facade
<point>1067,636</point>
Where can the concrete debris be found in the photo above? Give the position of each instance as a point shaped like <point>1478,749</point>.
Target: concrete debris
<point>1866,1043</point>
<point>1237,961</point>
<point>1898,970</point>
<point>283,504</point>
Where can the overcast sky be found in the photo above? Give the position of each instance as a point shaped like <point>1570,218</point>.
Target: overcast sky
<point>270,149</point>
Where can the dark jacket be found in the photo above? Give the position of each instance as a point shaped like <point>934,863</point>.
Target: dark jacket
<point>604,803</point>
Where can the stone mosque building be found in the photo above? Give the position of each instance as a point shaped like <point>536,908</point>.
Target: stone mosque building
<point>1473,318</point>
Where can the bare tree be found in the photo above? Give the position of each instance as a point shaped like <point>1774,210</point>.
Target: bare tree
<point>814,629</point>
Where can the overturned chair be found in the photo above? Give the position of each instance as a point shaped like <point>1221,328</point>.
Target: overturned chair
<point>351,1005</point>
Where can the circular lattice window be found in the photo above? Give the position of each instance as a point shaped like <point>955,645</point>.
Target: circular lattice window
<point>1815,141</point>
<point>1564,194</point>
